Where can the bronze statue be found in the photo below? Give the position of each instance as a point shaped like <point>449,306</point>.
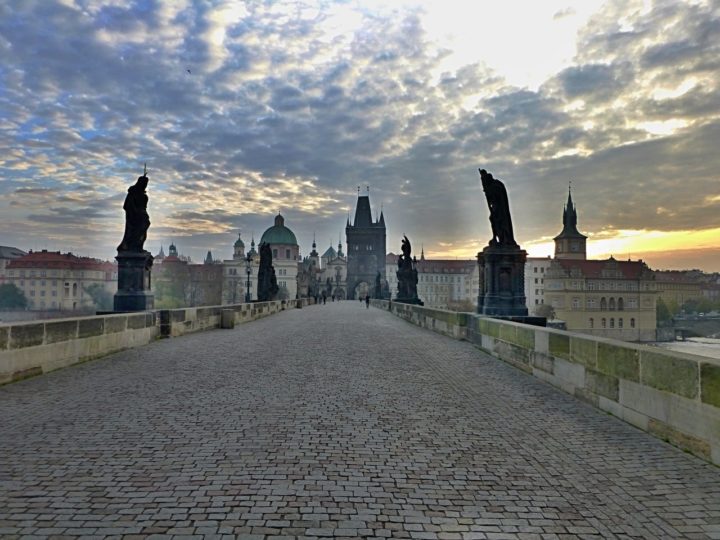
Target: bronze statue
<point>137,220</point>
<point>407,275</point>
<point>267,288</point>
<point>500,220</point>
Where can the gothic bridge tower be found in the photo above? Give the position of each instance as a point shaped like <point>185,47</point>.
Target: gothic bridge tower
<point>365,249</point>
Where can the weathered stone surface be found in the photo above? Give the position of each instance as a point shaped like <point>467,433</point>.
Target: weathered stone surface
<point>560,345</point>
<point>583,351</point>
<point>543,362</point>
<point>513,353</point>
<point>26,335</point>
<point>525,337</point>
<point>136,321</point>
<point>618,361</point>
<point>4,332</point>
<point>177,315</point>
<point>26,373</point>
<point>601,384</point>
<point>710,384</point>
<point>61,331</point>
<point>678,438</point>
<point>665,372</point>
<point>507,333</point>
<point>91,327</point>
<point>115,323</point>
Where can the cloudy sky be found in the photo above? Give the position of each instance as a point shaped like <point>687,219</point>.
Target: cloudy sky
<point>244,109</point>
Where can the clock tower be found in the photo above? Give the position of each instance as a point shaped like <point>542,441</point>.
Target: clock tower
<point>570,244</point>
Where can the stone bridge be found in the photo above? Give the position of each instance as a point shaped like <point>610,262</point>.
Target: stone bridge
<point>331,421</point>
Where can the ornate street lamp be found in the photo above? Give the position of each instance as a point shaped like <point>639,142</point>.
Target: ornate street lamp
<point>248,269</point>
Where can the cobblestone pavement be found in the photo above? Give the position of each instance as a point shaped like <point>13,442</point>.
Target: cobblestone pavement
<point>332,420</point>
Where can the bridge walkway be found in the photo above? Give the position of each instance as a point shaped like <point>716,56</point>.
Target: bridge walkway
<point>332,420</point>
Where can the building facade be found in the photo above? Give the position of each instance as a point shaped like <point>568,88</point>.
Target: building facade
<point>442,283</point>
<point>365,250</point>
<point>535,270</point>
<point>285,257</point>
<point>55,281</point>
<point>608,298</point>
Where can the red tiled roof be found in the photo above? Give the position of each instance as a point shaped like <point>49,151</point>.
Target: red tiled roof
<point>55,259</point>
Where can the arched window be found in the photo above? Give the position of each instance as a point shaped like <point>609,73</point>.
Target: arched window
<point>603,304</point>
<point>620,322</point>
<point>74,289</point>
<point>632,323</point>
<point>612,304</point>
<point>604,322</point>
<point>612,322</point>
<point>621,304</point>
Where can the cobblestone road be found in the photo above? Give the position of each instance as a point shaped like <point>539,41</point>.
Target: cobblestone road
<point>332,420</point>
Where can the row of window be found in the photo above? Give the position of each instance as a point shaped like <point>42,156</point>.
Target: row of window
<point>55,273</point>
<point>535,269</point>
<point>604,322</point>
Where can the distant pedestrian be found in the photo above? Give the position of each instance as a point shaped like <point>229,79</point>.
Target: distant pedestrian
<point>324,297</point>
<point>333,297</point>
<point>367,301</point>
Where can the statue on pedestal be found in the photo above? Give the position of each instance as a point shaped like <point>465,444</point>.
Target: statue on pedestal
<point>407,276</point>
<point>137,221</point>
<point>134,263</point>
<point>502,262</point>
<point>267,282</point>
<point>499,206</point>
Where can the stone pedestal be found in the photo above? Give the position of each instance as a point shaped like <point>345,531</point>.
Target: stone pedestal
<point>134,292</point>
<point>502,281</point>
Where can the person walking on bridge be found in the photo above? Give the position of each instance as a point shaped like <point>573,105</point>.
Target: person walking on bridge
<point>367,301</point>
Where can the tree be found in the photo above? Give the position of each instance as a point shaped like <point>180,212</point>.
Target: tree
<point>545,310</point>
<point>11,297</point>
<point>662,313</point>
<point>101,297</point>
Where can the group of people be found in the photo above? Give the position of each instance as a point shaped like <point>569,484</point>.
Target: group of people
<point>322,299</point>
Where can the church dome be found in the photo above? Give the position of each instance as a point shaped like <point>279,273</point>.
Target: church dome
<point>239,243</point>
<point>279,233</point>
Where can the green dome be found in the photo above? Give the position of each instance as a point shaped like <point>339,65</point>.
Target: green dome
<point>239,243</point>
<point>279,233</point>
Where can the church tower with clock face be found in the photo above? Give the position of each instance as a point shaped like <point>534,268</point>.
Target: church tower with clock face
<point>570,243</point>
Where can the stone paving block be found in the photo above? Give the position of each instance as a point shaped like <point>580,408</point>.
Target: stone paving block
<point>389,431</point>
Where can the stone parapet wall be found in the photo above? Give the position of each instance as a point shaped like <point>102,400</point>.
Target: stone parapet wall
<point>672,395</point>
<point>32,348</point>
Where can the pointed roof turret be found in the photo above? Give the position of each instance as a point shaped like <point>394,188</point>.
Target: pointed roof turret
<point>239,243</point>
<point>314,252</point>
<point>422,252</point>
<point>252,252</point>
<point>161,254</point>
<point>208,258</point>
<point>339,251</point>
<point>570,219</point>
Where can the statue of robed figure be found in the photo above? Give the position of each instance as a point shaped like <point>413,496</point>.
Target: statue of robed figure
<point>134,263</point>
<point>267,282</point>
<point>137,221</point>
<point>407,276</point>
<point>499,206</point>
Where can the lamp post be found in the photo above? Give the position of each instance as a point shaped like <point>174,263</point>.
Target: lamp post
<point>248,269</point>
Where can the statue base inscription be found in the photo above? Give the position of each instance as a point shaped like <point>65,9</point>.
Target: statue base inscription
<point>134,292</point>
<point>502,281</point>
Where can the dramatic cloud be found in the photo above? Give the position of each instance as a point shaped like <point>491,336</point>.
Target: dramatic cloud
<point>242,110</point>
